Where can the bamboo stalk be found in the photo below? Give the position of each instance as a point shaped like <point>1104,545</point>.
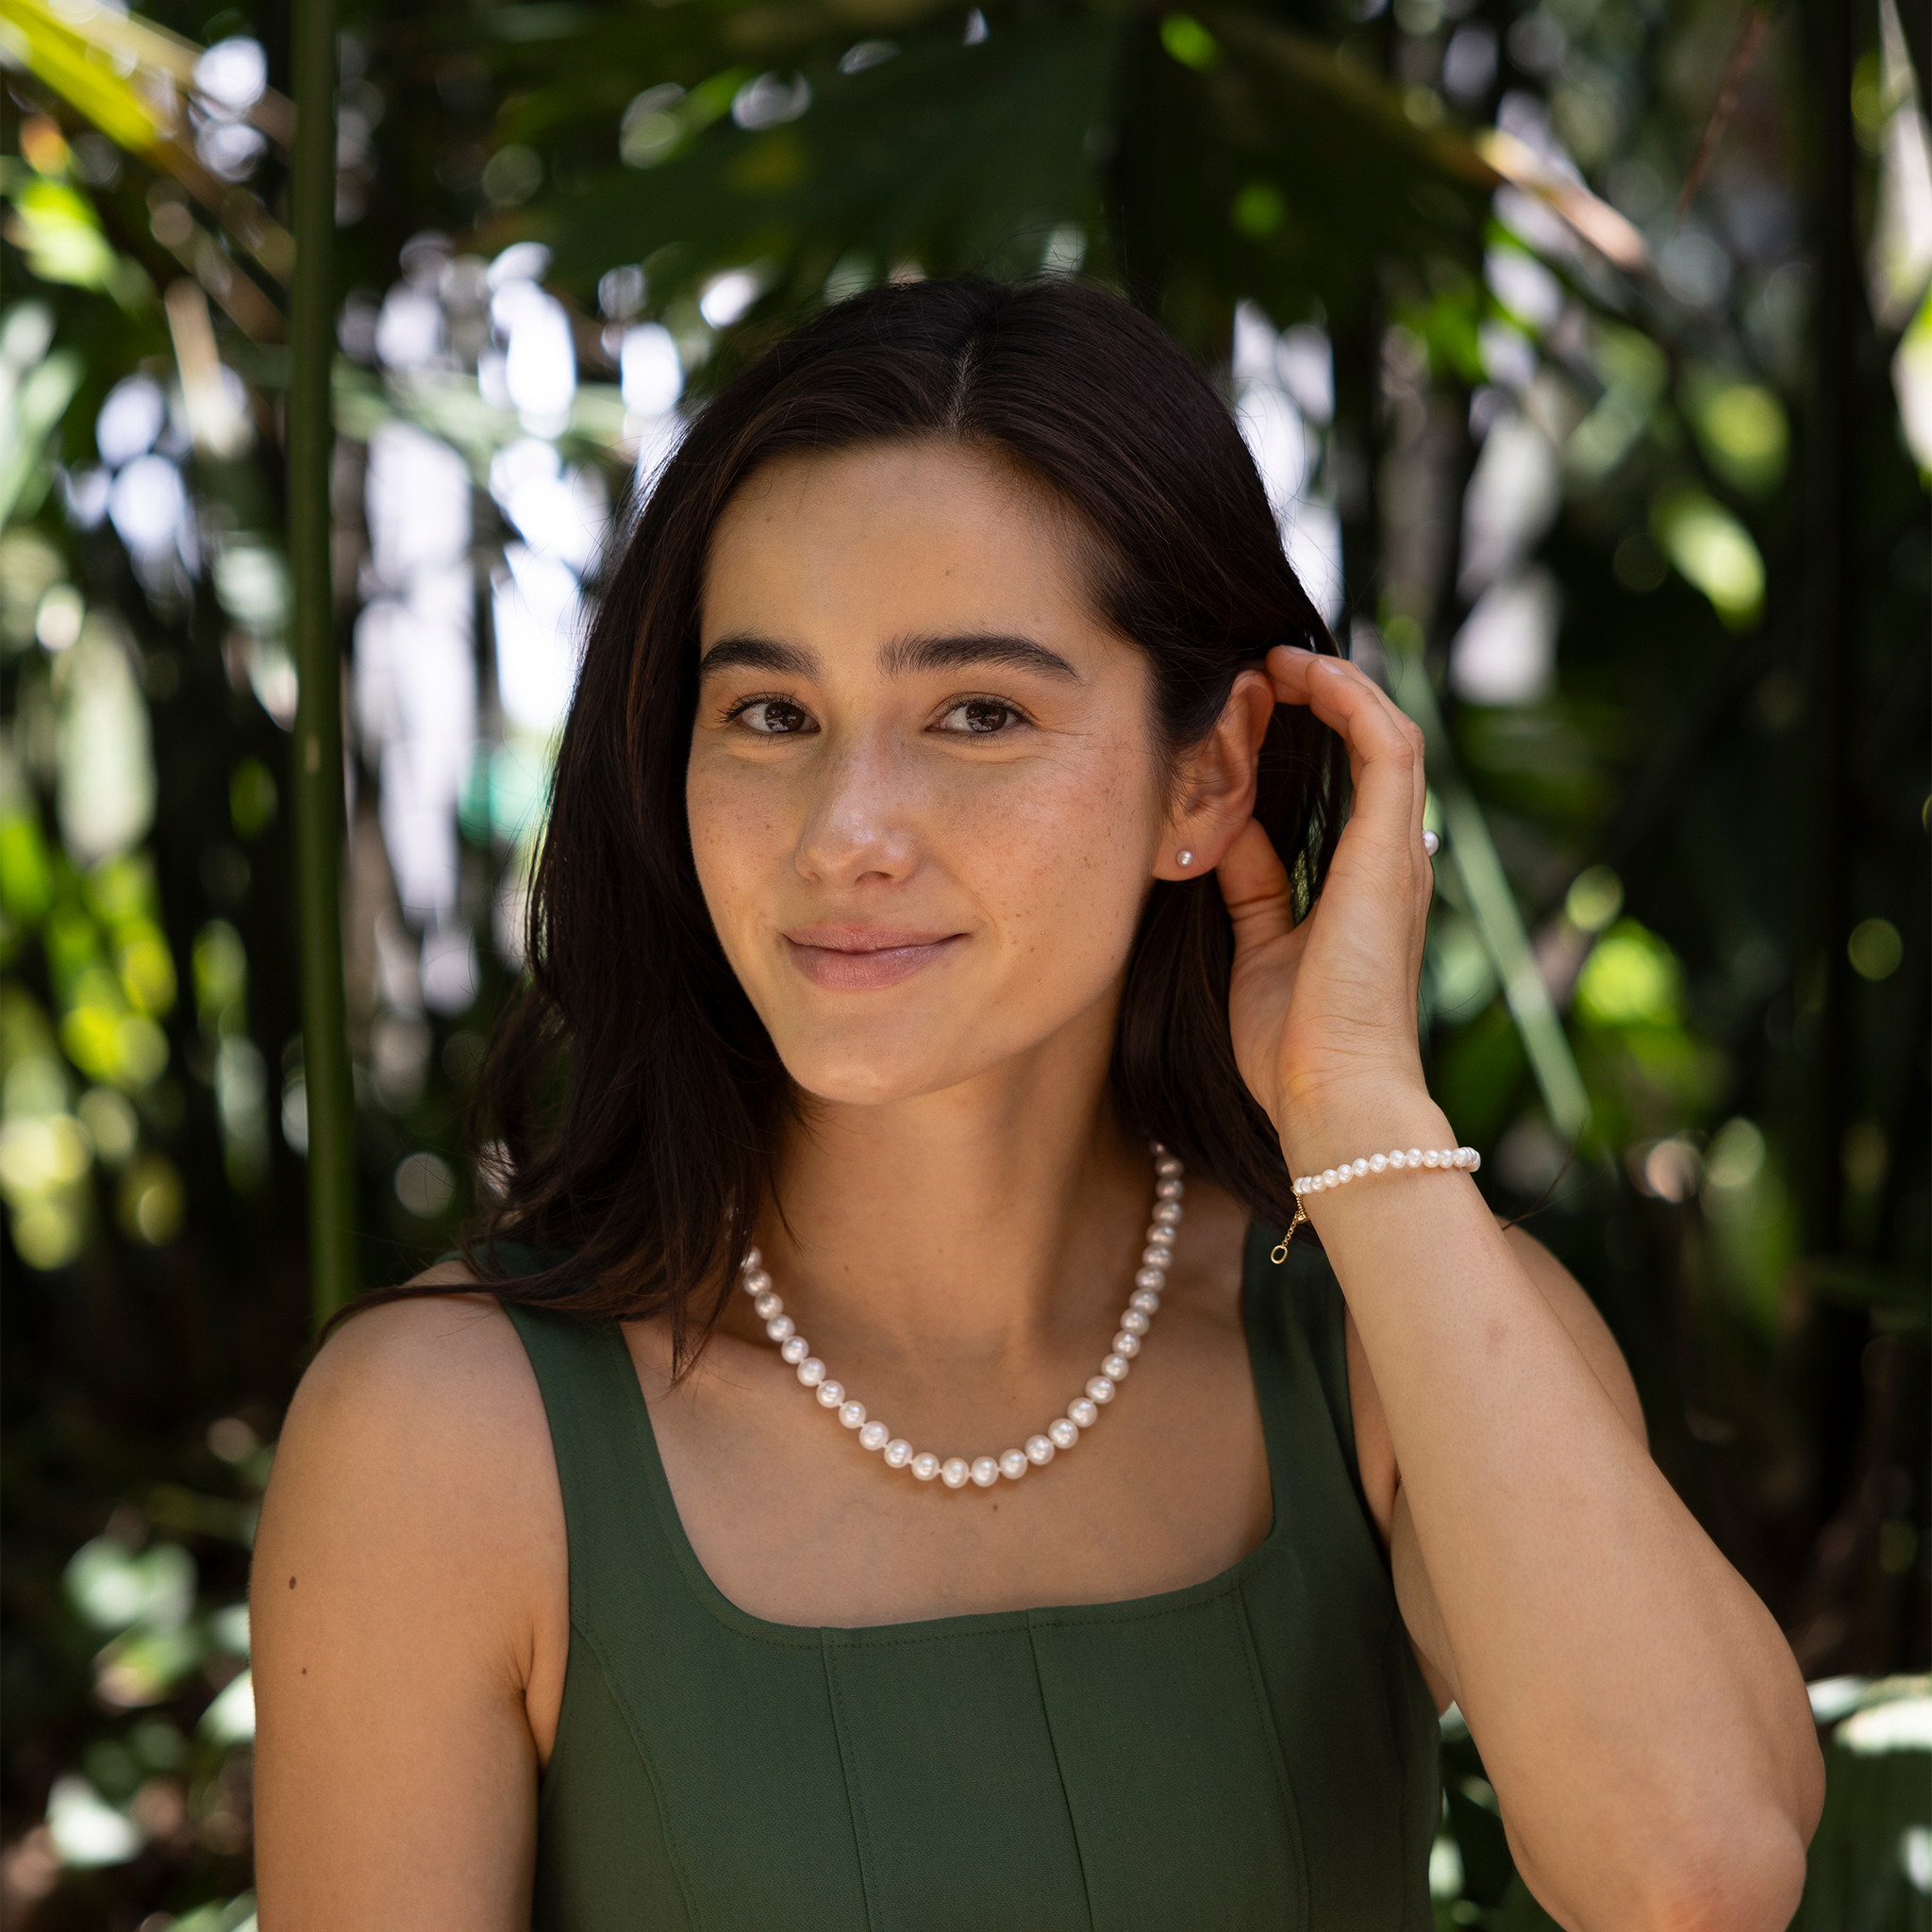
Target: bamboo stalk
<point>318,740</point>
<point>1472,853</point>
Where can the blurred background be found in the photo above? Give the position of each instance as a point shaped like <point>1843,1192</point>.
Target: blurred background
<point>1585,348</point>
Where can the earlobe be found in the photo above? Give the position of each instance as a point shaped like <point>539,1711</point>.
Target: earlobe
<point>1221,787</point>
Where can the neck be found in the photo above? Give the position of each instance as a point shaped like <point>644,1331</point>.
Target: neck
<point>982,1220</point>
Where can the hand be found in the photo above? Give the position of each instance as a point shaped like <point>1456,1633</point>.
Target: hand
<point>1324,1013</point>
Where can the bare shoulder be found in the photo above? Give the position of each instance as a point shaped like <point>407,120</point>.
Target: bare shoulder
<point>409,1622</point>
<point>1571,1304</point>
<point>446,1368</point>
<point>422,1421</point>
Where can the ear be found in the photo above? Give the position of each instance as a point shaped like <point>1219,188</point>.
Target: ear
<point>1217,782</point>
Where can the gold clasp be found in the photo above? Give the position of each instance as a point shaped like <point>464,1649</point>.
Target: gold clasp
<point>1280,1253</point>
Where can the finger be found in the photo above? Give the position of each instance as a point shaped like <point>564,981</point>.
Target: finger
<point>1313,678</point>
<point>1385,747</point>
<point>1254,884</point>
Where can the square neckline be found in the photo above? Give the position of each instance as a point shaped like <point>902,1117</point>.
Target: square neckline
<point>710,1598</point>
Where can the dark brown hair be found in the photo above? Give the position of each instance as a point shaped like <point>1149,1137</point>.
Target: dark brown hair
<point>636,1095</point>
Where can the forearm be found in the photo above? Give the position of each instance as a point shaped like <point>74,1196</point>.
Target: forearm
<point>1639,1711</point>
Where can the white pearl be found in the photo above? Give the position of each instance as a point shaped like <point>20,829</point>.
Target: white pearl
<point>1157,1257</point>
<point>1344,1174</point>
<point>925,1465</point>
<point>1398,1158</point>
<point>1415,1156</point>
<point>1155,1278</point>
<point>1475,1160</point>
<point>1169,1212</point>
<point>768,1306</point>
<point>757,1281</point>
<point>1100,1387</point>
<point>954,1472</point>
<point>811,1372</point>
<point>1327,1176</point>
<point>1168,1164</point>
<point>985,1470</point>
<point>1358,1168</point>
<point>1147,1301</point>
<point>1114,1367</point>
<point>1379,1164</point>
<point>1431,1159</point>
<point>852,1414</point>
<point>1062,1433</point>
<point>1159,1235</point>
<point>1013,1463</point>
<point>873,1435</point>
<point>1040,1450</point>
<point>752,1259</point>
<point>1082,1411</point>
<point>898,1451</point>
<point>794,1349</point>
<point>1463,1156</point>
<point>1134,1322</point>
<point>781,1329</point>
<point>1169,1190</point>
<point>1128,1343</point>
<point>831,1393</point>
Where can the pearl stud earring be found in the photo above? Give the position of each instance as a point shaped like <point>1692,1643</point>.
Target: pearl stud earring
<point>1431,845</point>
<point>1184,857</point>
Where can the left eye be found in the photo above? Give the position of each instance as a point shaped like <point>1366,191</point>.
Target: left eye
<point>979,717</point>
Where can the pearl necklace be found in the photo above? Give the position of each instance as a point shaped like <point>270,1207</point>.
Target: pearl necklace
<point>955,1471</point>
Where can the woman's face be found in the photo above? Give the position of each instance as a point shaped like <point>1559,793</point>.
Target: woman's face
<point>925,796</point>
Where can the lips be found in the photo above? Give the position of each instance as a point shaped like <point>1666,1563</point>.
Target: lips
<point>862,958</point>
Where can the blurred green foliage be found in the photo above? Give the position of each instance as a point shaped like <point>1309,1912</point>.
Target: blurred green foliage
<point>1572,450</point>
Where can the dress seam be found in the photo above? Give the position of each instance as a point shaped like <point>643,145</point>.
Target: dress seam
<point>855,1803</point>
<point>583,1626</point>
<point>1264,1710</point>
<point>1053,1744</point>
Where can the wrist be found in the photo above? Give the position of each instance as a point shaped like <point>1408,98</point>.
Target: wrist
<point>1323,1129</point>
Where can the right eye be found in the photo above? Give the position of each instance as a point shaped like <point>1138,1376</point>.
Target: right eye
<point>774,718</point>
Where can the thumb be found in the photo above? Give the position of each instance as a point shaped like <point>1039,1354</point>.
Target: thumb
<point>1254,884</point>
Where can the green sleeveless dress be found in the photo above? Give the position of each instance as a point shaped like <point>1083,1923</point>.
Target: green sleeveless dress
<point>1259,1750</point>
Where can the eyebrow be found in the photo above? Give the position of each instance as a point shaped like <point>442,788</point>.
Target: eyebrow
<point>973,647</point>
<point>749,652</point>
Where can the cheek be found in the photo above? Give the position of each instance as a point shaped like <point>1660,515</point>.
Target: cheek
<point>737,829</point>
<point>1060,861</point>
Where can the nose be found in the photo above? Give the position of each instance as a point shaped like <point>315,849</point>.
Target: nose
<point>859,819</point>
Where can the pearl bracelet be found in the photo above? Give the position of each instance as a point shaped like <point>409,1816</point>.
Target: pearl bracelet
<point>1464,1157</point>
<point>1467,1159</point>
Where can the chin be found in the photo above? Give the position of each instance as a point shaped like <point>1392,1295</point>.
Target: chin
<point>871,1078</point>
<point>853,1063</point>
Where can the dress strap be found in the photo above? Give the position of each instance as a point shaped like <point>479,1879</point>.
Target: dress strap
<point>1298,1342</point>
<point>601,1432</point>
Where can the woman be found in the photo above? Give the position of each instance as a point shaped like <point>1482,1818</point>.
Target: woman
<point>875,948</point>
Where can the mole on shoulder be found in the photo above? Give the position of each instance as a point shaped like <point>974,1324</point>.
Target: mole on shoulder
<point>292,1583</point>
